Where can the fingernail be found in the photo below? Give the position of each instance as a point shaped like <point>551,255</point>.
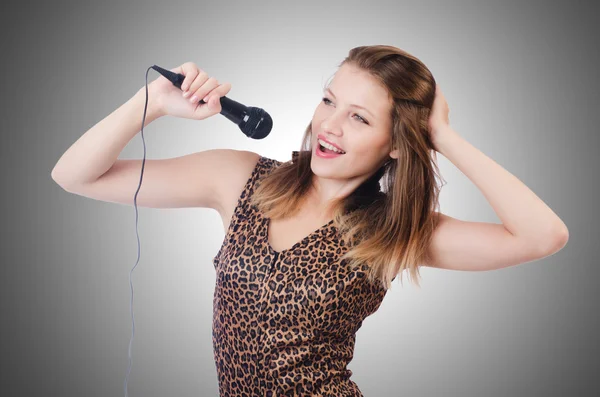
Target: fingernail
<point>194,99</point>
<point>185,94</point>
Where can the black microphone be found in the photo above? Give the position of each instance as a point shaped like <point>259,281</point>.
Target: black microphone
<point>254,122</point>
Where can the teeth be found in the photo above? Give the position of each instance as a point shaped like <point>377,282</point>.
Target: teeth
<point>330,147</point>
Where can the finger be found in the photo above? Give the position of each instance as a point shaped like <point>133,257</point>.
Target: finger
<point>198,82</point>
<point>190,71</point>
<point>206,87</point>
<point>219,91</point>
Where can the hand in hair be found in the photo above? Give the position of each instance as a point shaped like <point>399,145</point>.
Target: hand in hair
<point>438,118</point>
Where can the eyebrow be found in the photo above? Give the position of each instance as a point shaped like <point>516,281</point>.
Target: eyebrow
<point>357,106</point>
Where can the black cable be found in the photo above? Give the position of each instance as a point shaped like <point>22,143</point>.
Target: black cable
<point>137,234</point>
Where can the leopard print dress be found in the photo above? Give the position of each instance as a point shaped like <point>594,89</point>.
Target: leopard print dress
<point>284,323</point>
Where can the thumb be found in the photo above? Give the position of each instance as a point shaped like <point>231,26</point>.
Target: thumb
<point>209,109</point>
<point>214,104</point>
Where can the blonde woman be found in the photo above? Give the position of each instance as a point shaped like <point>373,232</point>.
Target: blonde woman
<point>312,244</point>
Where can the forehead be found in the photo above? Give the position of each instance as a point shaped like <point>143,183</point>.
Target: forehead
<point>355,86</point>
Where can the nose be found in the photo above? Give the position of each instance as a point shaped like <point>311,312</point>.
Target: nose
<point>333,123</point>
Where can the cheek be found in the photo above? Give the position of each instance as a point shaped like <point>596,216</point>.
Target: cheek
<point>366,151</point>
<point>317,118</point>
<point>362,147</point>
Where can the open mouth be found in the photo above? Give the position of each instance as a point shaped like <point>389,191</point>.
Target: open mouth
<point>326,152</point>
<point>324,147</point>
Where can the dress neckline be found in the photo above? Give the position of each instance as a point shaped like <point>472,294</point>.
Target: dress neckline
<point>323,230</point>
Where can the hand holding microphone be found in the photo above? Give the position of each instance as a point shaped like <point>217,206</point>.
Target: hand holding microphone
<point>169,99</point>
<point>168,96</point>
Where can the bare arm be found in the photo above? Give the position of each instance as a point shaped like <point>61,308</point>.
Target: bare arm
<point>94,153</point>
<point>91,168</point>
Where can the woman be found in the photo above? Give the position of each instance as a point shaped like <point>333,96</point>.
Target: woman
<point>312,244</point>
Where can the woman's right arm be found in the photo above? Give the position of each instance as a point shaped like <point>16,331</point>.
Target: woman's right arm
<point>208,178</point>
<point>97,150</point>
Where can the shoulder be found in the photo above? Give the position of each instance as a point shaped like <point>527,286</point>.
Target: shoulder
<point>247,167</point>
<point>244,164</point>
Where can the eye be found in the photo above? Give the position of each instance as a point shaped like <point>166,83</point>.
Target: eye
<point>362,119</point>
<point>327,101</point>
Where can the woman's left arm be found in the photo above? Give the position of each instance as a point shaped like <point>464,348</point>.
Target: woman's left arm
<point>529,229</point>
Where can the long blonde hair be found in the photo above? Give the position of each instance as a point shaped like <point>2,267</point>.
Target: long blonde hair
<point>389,230</point>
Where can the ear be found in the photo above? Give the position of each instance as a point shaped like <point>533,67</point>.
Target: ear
<point>394,154</point>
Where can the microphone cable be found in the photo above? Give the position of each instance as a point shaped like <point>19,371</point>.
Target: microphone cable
<point>138,237</point>
<point>254,122</point>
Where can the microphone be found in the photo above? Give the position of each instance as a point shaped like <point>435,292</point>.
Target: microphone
<point>254,122</point>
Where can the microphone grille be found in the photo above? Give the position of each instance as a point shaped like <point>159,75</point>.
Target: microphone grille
<point>258,125</point>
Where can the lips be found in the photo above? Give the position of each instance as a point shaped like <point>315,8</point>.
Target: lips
<point>328,141</point>
<point>325,155</point>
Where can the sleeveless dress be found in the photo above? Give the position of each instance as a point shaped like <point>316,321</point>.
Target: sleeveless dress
<point>284,323</point>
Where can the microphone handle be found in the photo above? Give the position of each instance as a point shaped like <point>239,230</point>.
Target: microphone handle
<point>234,111</point>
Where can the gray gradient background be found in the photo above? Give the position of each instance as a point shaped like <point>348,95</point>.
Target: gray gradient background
<point>521,79</point>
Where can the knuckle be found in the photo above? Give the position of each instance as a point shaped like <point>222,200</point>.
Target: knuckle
<point>188,67</point>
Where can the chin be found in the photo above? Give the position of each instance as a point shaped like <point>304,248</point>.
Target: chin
<point>327,168</point>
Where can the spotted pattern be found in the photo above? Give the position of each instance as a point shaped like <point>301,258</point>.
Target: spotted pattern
<point>284,323</point>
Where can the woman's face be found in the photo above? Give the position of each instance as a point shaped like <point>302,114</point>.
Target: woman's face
<point>364,134</point>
